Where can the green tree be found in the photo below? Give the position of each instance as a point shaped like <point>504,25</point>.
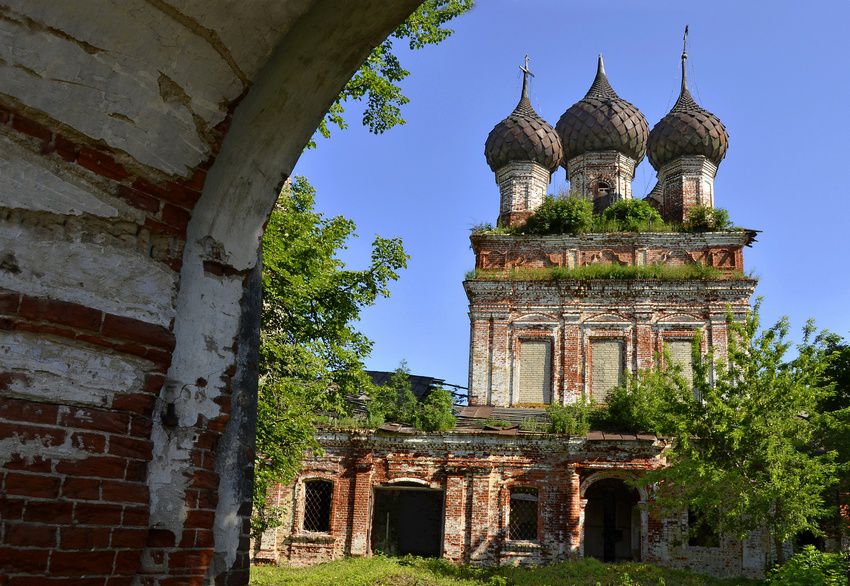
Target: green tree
<point>560,215</point>
<point>742,452</point>
<point>311,356</point>
<point>632,215</point>
<point>434,413</point>
<point>377,80</point>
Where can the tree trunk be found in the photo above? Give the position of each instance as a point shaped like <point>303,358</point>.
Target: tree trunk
<point>780,551</point>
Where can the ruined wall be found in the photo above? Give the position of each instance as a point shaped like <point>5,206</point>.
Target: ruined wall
<point>476,471</point>
<point>142,145</point>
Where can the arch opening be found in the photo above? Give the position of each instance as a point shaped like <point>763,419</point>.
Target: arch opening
<point>612,523</point>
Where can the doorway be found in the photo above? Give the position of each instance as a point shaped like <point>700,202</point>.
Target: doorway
<point>612,521</point>
<point>407,519</point>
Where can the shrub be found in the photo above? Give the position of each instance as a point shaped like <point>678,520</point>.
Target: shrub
<point>570,215</point>
<point>529,424</point>
<point>632,215</point>
<point>813,568</point>
<point>572,420</point>
<point>494,422</point>
<point>707,219</point>
<point>394,401</point>
<point>435,412</point>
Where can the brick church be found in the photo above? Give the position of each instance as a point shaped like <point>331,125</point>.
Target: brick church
<point>492,495</point>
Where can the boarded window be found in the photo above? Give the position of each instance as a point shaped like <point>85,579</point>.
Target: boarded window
<point>318,495</point>
<point>523,514</point>
<point>535,371</point>
<point>680,353</point>
<point>607,365</point>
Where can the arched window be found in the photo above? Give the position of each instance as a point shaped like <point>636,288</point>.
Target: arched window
<point>601,189</point>
<point>318,496</point>
<point>522,520</point>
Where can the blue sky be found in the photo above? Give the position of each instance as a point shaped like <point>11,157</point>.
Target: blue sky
<point>776,74</point>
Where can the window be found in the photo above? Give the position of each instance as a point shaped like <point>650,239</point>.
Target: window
<point>523,514</point>
<point>700,533</point>
<point>607,365</point>
<point>601,189</point>
<point>680,353</point>
<point>535,371</point>
<point>318,495</point>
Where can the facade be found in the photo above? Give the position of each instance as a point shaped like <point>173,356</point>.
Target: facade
<point>507,495</point>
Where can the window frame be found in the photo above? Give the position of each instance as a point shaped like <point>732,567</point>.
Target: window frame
<point>532,492</point>
<point>305,483</point>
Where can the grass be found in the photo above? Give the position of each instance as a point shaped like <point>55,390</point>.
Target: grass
<point>606,271</point>
<point>408,571</point>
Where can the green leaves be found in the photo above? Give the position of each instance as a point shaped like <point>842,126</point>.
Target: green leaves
<point>396,402</point>
<point>311,357</point>
<point>631,215</point>
<point>378,79</point>
<point>561,215</point>
<point>707,219</point>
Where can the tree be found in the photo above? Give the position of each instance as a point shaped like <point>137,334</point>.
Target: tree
<point>377,80</point>
<point>560,215</point>
<point>396,402</point>
<point>311,356</point>
<point>742,453</point>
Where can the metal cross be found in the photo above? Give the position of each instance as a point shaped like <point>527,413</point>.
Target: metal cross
<point>685,42</point>
<point>525,70</point>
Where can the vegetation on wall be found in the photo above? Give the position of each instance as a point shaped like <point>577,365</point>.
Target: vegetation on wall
<point>573,215</point>
<point>396,402</point>
<point>606,271</point>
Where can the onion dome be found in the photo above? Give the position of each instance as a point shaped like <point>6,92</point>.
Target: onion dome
<point>603,121</point>
<point>688,130</point>
<point>523,136</point>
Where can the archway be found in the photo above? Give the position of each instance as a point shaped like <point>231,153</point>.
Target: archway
<point>612,521</point>
<point>407,518</point>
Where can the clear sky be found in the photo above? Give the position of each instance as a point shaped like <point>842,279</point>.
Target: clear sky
<point>776,73</point>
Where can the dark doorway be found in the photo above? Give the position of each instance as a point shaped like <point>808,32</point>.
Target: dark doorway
<point>612,522</point>
<point>407,520</point>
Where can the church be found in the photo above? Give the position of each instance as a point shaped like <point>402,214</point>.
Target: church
<point>514,494</point>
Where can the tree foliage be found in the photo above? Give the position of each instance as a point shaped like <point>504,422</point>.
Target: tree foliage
<point>560,215</point>
<point>396,402</point>
<point>631,215</point>
<point>742,445</point>
<point>377,81</point>
<point>311,356</point>
<point>707,219</point>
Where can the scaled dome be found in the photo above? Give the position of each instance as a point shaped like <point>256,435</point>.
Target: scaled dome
<point>523,136</point>
<point>603,121</point>
<point>688,130</point>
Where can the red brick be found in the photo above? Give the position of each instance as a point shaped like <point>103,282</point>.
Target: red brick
<point>141,426</point>
<point>11,509</point>
<point>136,516</point>
<point>136,470</point>
<point>162,228</point>
<point>65,148</point>
<point>60,312</point>
<point>81,488</point>
<point>81,562</point>
<point>154,383</point>
<point>196,559</point>
<point>101,163</point>
<point>96,466</point>
<point>125,492</point>
<point>138,200</point>
<point>96,420</point>
<point>181,195</point>
<point>128,538</point>
<point>128,562</point>
<point>204,479</point>
<point>135,402</point>
<point>127,328</point>
<point>199,519</point>
<point>30,464</point>
<point>48,511</point>
<point>84,537</point>
<point>175,216</point>
<point>93,443</point>
<point>32,485</point>
<point>26,535</point>
<point>13,561</point>
<point>137,449</point>
<point>30,127</point>
<point>204,538</point>
<point>29,411</point>
<point>9,301</point>
<point>97,514</point>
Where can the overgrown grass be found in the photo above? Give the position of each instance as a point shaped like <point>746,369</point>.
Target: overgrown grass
<point>606,271</point>
<point>410,571</point>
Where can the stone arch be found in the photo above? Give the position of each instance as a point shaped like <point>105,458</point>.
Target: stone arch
<point>148,184</point>
<point>639,513</point>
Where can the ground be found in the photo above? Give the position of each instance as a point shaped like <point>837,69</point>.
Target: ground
<point>434,572</point>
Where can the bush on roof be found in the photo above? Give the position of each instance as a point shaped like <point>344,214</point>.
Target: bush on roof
<point>562,215</point>
<point>631,215</point>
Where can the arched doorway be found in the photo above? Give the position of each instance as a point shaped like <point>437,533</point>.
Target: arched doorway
<point>612,521</point>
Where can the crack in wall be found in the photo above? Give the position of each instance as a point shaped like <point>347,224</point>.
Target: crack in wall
<point>8,15</point>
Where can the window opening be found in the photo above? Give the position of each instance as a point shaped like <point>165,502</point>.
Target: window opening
<point>523,514</point>
<point>318,495</point>
<point>607,366</point>
<point>535,372</point>
<point>700,533</point>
